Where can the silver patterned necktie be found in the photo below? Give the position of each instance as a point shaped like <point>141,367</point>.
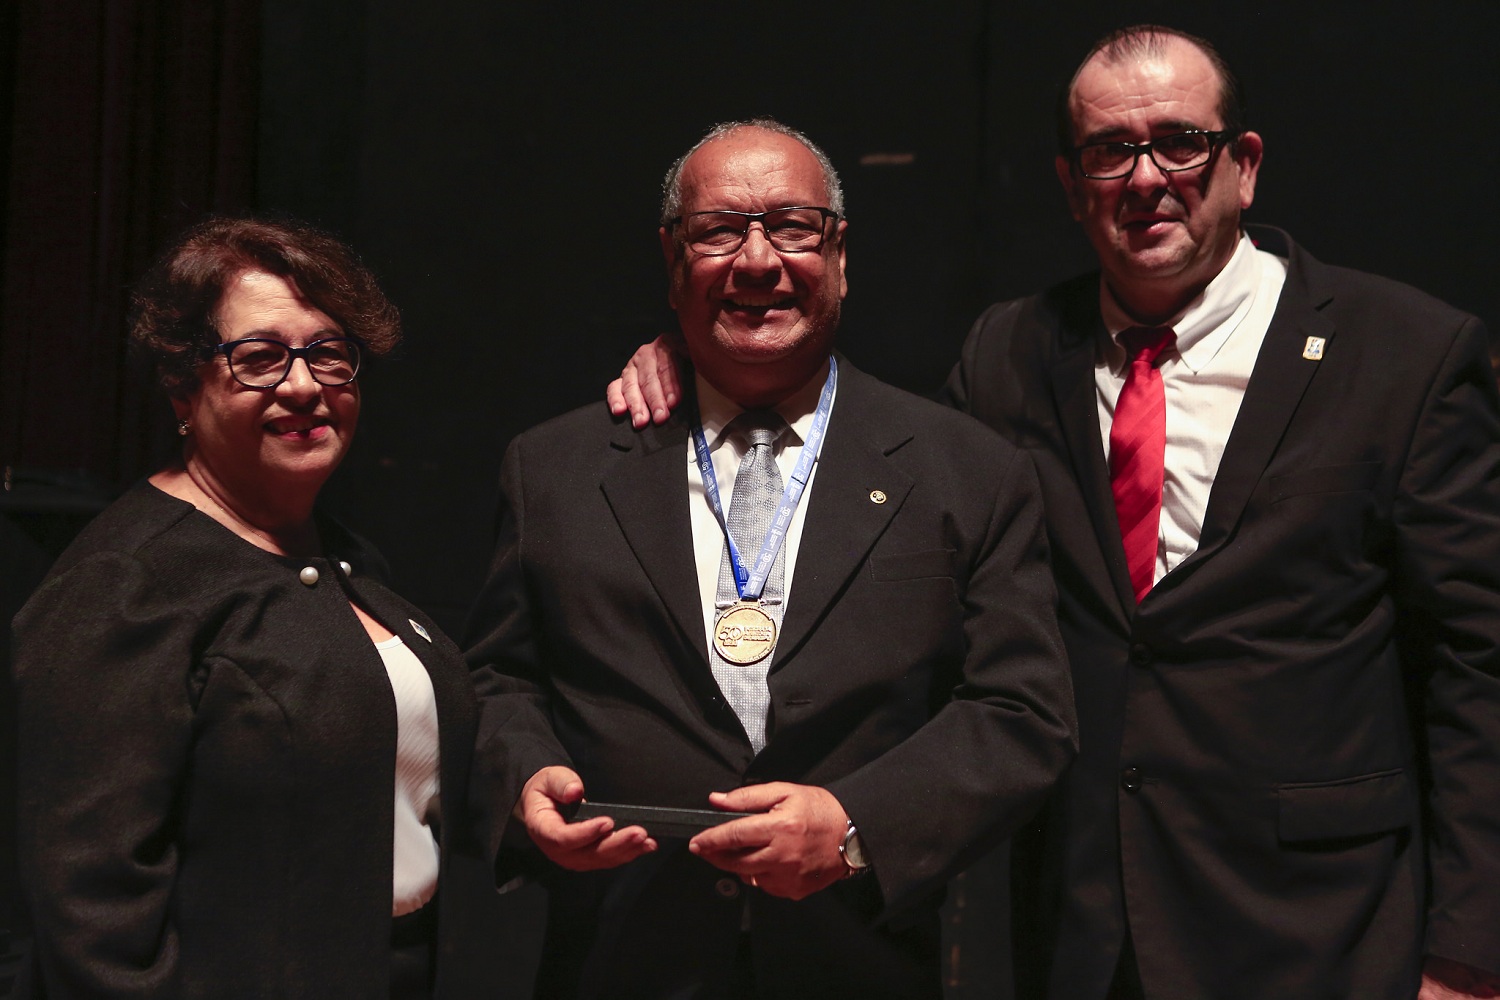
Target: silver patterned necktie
<point>757,494</point>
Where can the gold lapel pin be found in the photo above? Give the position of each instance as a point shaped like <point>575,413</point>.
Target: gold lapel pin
<point>877,496</point>
<point>1313,349</point>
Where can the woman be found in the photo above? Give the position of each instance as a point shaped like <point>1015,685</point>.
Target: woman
<point>217,697</point>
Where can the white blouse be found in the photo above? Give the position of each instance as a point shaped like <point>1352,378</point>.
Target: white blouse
<point>415,865</point>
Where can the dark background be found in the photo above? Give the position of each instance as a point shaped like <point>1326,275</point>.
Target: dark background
<point>498,165</point>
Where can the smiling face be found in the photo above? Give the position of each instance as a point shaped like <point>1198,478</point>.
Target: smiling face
<point>252,444</point>
<point>1161,237</point>
<point>757,323</point>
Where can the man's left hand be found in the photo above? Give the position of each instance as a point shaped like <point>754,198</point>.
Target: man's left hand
<point>790,850</point>
<point>1443,979</point>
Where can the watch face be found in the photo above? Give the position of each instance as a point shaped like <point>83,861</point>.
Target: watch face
<point>854,850</point>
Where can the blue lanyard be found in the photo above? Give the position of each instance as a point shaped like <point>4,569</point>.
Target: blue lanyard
<point>750,584</point>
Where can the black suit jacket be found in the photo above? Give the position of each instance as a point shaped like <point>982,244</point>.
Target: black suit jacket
<point>207,763</point>
<point>1288,770</point>
<point>919,677</point>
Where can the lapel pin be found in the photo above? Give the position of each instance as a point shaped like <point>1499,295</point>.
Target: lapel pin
<point>419,630</point>
<point>877,496</point>
<point>1313,349</point>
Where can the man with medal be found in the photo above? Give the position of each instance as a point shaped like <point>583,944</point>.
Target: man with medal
<point>757,681</point>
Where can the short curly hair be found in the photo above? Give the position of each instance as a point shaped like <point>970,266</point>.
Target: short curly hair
<point>174,314</point>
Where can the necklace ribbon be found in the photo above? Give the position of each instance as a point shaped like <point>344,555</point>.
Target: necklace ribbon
<point>750,583</point>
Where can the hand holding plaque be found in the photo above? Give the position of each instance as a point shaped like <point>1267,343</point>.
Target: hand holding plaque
<point>790,848</point>
<point>584,846</point>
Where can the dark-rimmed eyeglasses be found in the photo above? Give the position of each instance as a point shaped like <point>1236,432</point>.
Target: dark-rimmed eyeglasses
<point>262,363</point>
<point>1105,161</point>
<point>790,230</point>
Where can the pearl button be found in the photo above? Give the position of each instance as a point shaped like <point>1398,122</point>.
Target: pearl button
<point>877,496</point>
<point>345,567</point>
<point>309,575</point>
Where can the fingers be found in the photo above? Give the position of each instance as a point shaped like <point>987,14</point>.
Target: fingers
<point>556,784</point>
<point>614,396</point>
<point>582,846</point>
<point>790,886</point>
<point>789,849</point>
<point>649,387</point>
<point>728,844</point>
<point>590,845</point>
<point>552,833</point>
<point>753,798</point>
<point>639,371</point>
<point>548,788</point>
<point>659,385</point>
<point>755,851</point>
<point>630,391</point>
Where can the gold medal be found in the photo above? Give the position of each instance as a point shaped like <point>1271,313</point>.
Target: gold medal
<point>745,634</point>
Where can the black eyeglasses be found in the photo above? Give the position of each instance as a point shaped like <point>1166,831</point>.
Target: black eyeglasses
<point>1105,161</point>
<point>261,363</point>
<point>790,230</point>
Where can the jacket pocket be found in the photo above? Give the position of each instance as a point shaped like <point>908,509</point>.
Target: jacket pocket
<point>913,565</point>
<point>1350,807</point>
<point>1325,479</point>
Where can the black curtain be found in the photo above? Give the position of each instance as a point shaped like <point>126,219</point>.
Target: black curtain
<point>121,121</point>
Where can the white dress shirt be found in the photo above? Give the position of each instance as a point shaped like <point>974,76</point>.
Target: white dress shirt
<point>726,450</point>
<point>1219,335</point>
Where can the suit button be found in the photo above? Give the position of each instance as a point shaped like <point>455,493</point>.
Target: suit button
<point>1130,779</point>
<point>727,887</point>
<point>1140,654</point>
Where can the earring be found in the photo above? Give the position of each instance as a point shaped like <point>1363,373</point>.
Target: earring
<point>183,427</point>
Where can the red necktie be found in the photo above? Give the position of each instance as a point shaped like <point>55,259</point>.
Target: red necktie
<point>1137,449</point>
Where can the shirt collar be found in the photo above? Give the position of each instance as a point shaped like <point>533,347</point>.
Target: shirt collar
<point>1204,324</point>
<point>716,410</point>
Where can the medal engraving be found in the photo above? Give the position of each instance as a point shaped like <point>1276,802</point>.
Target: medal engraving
<point>745,634</point>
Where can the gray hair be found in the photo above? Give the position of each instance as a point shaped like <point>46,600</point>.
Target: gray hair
<point>671,185</point>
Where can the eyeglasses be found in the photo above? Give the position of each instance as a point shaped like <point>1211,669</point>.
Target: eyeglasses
<point>260,363</point>
<point>790,230</point>
<point>1104,161</point>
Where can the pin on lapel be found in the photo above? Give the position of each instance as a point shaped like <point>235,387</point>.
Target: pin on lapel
<point>419,630</point>
<point>1313,349</point>
<point>877,496</point>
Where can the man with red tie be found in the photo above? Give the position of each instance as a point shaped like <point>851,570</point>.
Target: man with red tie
<point>1273,500</point>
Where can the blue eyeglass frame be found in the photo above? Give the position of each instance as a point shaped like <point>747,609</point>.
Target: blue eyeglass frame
<point>292,354</point>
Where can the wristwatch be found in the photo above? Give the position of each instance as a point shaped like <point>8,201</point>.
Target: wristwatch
<point>852,850</point>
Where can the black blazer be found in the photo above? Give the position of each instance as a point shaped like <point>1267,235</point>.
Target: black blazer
<point>1251,794</point>
<point>207,763</point>
<point>919,677</point>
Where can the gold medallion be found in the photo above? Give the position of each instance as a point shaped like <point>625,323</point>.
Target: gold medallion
<point>744,634</point>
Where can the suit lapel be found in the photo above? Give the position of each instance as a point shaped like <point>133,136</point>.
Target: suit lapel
<point>843,522</point>
<point>1077,402</point>
<point>647,491</point>
<point>1079,416</point>
<point>1277,384</point>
